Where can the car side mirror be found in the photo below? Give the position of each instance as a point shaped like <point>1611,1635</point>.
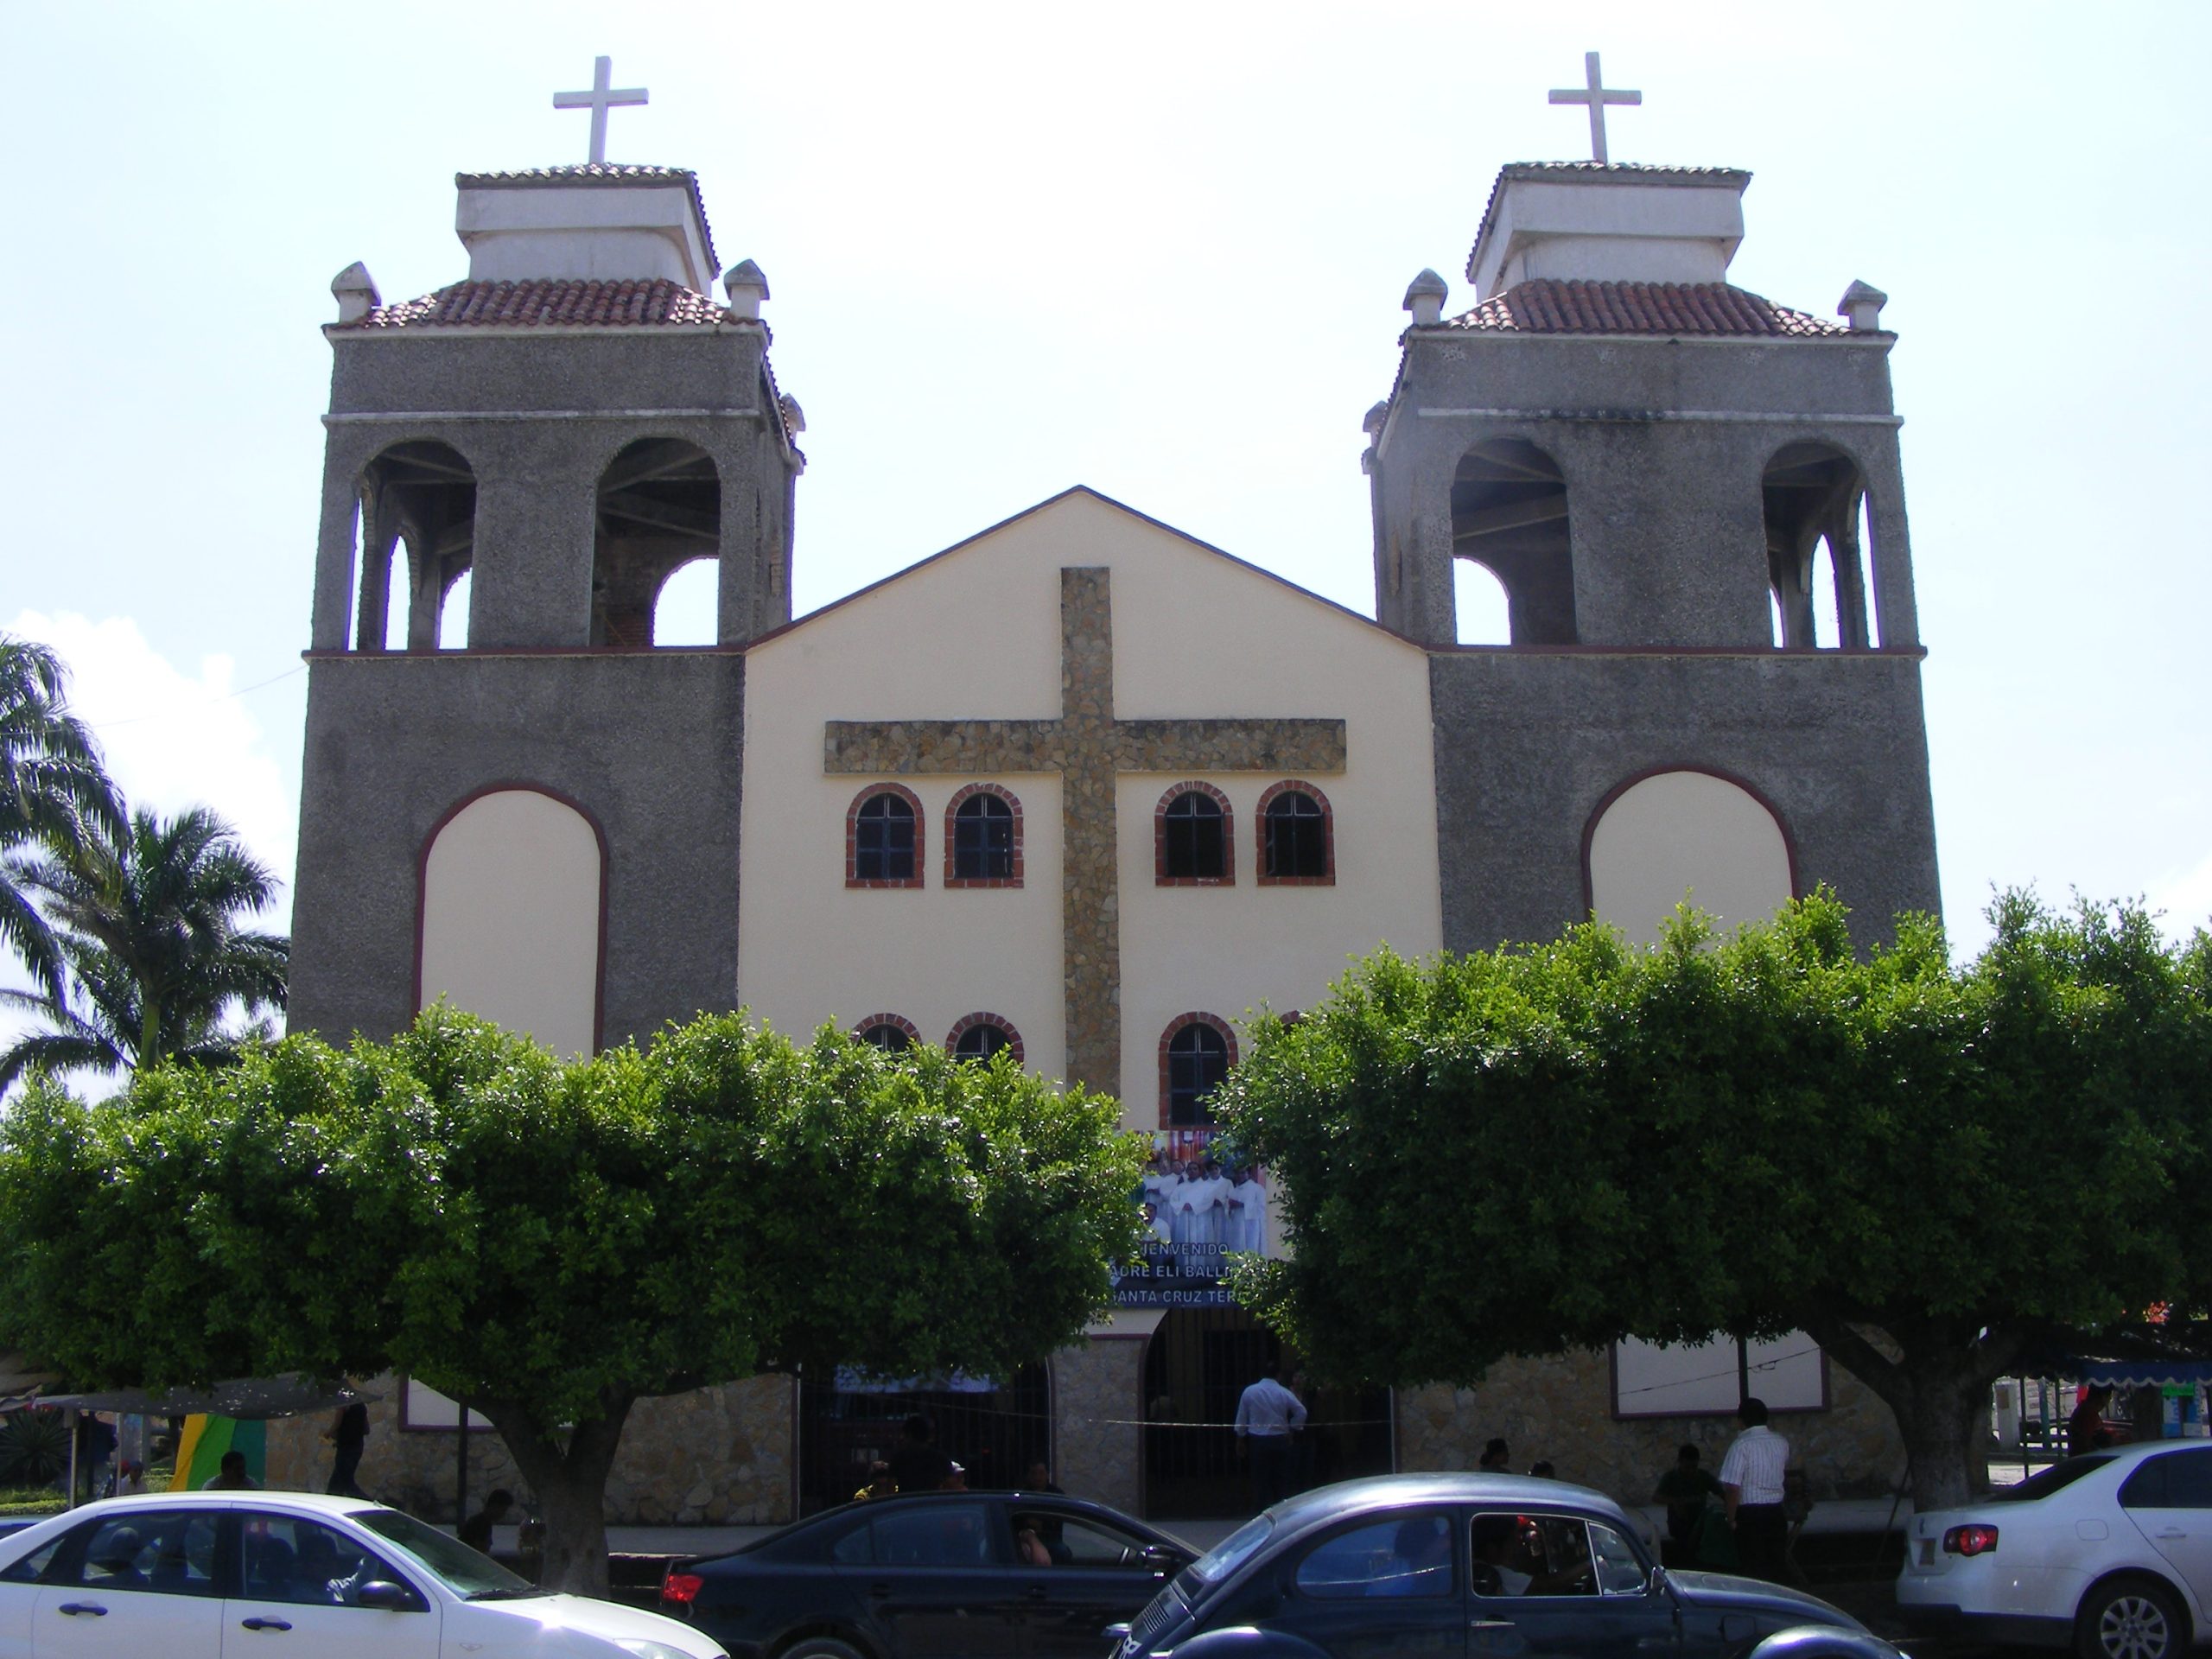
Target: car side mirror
<point>1161,1559</point>
<point>1117,1634</point>
<point>385,1594</point>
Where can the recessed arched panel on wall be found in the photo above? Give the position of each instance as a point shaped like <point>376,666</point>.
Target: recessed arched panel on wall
<point>1685,835</point>
<point>513,916</point>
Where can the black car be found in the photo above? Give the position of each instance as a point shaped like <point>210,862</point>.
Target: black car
<point>1461,1566</point>
<point>933,1575</point>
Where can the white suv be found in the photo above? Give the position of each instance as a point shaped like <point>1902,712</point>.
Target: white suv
<point>2110,1553</point>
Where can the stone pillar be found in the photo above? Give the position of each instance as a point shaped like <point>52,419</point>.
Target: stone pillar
<point>1097,1421</point>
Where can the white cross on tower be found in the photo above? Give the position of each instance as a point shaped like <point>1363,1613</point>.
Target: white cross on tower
<point>1597,96</point>
<point>599,99</point>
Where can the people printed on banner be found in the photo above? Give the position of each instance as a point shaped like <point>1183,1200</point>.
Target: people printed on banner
<point>1197,1200</point>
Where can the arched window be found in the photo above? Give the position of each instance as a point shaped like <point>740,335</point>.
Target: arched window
<point>982,838</point>
<point>1814,500</point>
<point>1192,844</point>
<point>418,538</point>
<point>659,508</point>
<point>1509,515</point>
<point>883,838</point>
<point>887,1032</point>
<point>1479,601</point>
<point>1297,837</point>
<point>687,610</point>
<point>980,1036</point>
<point>1196,1051</point>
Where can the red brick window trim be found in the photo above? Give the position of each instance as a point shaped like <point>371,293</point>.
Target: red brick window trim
<point>898,792</point>
<point>1327,831</point>
<point>1174,1057</point>
<point>866,1030</point>
<point>1160,878</point>
<point>971,1022</point>
<point>952,844</point>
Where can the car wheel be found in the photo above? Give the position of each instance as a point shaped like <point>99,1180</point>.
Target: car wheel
<point>821,1647</point>
<point>2130,1618</point>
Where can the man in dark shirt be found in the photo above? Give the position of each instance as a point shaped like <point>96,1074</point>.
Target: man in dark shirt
<point>1684,1489</point>
<point>918,1464</point>
<point>476,1531</point>
<point>348,1431</point>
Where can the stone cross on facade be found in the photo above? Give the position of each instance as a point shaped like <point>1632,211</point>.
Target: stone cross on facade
<point>601,98</point>
<point>1088,748</point>
<point>1596,95</point>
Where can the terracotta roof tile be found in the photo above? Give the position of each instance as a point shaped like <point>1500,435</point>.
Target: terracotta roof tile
<point>609,174</point>
<point>572,304</point>
<point>1547,305</point>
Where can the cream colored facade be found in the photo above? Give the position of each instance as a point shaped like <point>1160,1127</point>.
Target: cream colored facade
<point>976,634</point>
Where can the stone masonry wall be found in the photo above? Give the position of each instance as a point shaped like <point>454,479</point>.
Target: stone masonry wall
<point>1561,1408</point>
<point>714,1456</point>
<point>1097,1444</point>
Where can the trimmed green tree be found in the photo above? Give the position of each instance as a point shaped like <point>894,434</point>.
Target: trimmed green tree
<point>554,1242</point>
<point>1927,1168</point>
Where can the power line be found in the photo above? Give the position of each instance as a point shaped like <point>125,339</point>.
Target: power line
<point>134,720</point>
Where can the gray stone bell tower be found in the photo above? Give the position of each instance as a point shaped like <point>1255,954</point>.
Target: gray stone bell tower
<point>1661,469</point>
<point>564,429</point>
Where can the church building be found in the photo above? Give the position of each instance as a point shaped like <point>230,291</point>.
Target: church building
<point>1165,789</point>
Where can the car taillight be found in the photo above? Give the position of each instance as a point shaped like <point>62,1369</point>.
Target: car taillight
<point>1970,1540</point>
<point>682,1588</point>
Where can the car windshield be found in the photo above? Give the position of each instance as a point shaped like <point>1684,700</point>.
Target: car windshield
<point>1225,1557</point>
<point>2059,1475</point>
<point>462,1569</point>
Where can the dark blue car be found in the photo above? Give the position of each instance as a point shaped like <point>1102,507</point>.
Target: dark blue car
<point>1468,1567</point>
<point>931,1575</point>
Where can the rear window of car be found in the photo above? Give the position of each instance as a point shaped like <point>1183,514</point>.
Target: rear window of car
<point>1231,1552</point>
<point>2057,1477</point>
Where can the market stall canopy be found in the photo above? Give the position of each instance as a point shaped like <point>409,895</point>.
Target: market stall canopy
<point>2139,1373</point>
<point>247,1398</point>
<point>20,1380</point>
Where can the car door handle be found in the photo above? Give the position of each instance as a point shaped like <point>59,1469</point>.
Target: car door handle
<point>879,1589</point>
<point>259,1624</point>
<point>73,1608</point>
<point>2171,1533</point>
<point>1036,1592</point>
<point>1490,1624</point>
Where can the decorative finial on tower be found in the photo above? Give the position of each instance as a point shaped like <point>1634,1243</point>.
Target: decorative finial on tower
<point>356,292</point>
<point>1596,95</point>
<point>601,98</point>
<point>747,288</point>
<point>1862,303</point>
<point>1425,299</point>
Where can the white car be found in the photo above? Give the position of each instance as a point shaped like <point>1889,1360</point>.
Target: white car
<point>2110,1553</point>
<point>218,1575</point>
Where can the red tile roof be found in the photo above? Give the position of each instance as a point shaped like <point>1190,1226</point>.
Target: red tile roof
<point>1546,305</point>
<point>656,304</point>
<point>603,174</point>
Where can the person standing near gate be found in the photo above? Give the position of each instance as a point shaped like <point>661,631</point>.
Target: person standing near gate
<point>1750,1483</point>
<point>348,1433</point>
<point>1267,1414</point>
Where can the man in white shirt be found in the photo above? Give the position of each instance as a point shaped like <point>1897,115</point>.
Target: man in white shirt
<point>1751,1482</point>
<point>1267,1414</point>
<point>1248,1231</point>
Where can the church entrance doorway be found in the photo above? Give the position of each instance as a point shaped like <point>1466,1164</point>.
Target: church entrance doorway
<point>1196,1364</point>
<point>995,1429</point>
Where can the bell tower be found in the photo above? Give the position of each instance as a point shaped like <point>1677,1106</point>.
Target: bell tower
<point>515,464</point>
<point>1662,471</point>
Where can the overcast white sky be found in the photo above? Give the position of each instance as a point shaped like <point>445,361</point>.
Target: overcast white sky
<point>1158,249</point>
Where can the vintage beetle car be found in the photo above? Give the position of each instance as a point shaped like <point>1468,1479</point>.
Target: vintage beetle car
<point>931,1575</point>
<point>1469,1565</point>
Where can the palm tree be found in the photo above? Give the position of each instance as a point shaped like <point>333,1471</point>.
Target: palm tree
<point>147,921</point>
<point>53,794</point>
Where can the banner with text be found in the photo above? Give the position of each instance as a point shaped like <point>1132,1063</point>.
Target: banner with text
<point>1202,1203</point>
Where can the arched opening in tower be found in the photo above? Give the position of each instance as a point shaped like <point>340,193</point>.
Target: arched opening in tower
<point>660,509</point>
<point>1509,515</point>
<point>1816,498</point>
<point>417,539</point>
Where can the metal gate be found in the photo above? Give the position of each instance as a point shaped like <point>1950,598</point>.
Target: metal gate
<point>1196,1365</point>
<point>993,1430</point>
